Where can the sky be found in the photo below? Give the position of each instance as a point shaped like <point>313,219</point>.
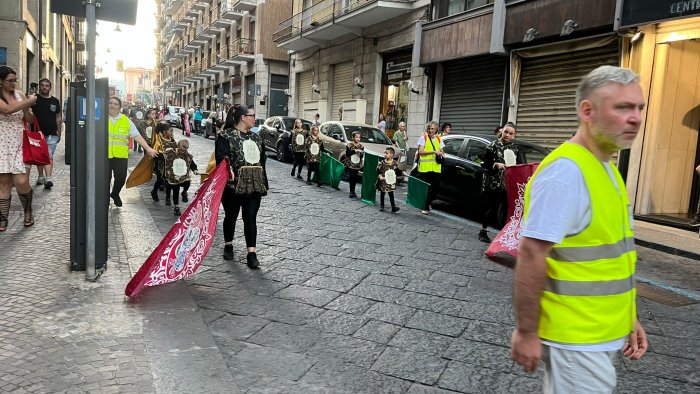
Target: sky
<point>134,44</point>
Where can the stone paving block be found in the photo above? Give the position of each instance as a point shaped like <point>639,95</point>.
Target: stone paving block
<point>438,323</point>
<point>350,304</point>
<point>336,377</point>
<point>267,361</point>
<point>334,261</point>
<point>421,341</point>
<point>634,382</point>
<point>494,333</point>
<point>432,303</point>
<point>368,266</point>
<point>338,322</point>
<point>432,264</point>
<point>361,253</point>
<point>449,277</point>
<point>338,348</point>
<point>343,273</point>
<point>432,256</point>
<point>308,295</point>
<point>330,283</point>
<point>296,339</point>
<point>406,364</point>
<point>665,367</point>
<point>417,388</point>
<point>297,265</point>
<point>236,327</point>
<point>390,313</point>
<point>482,354</point>
<point>387,280</point>
<point>672,347</point>
<point>375,292</point>
<point>408,272</point>
<point>288,276</point>
<point>377,331</point>
<point>488,312</point>
<point>433,288</point>
<point>469,378</point>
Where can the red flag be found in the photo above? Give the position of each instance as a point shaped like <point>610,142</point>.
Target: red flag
<point>182,250</point>
<point>508,239</point>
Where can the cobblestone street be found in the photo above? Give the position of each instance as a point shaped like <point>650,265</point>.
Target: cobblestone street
<point>347,300</point>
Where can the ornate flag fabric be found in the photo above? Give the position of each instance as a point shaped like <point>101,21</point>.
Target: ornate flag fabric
<point>142,173</point>
<point>508,239</point>
<point>182,250</point>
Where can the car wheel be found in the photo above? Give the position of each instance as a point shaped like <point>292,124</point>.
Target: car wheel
<point>281,157</point>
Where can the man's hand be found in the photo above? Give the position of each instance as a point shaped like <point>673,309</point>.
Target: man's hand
<point>526,350</point>
<point>499,166</point>
<point>381,177</point>
<point>636,344</point>
<point>151,152</point>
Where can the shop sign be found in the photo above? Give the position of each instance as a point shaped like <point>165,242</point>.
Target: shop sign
<point>392,67</point>
<point>638,12</point>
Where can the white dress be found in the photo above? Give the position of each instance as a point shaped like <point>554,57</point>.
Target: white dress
<point>11,137</point>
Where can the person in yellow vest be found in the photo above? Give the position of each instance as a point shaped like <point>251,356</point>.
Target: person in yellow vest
<point>574,293</point>
<point>431,154</point>
<point>120,129</point>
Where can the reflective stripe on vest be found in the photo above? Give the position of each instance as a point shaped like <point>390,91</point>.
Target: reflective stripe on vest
<point>589,294</point>
<point>427,163</point>
<point>119,137</point>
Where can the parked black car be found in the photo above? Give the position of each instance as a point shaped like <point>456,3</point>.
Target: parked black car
<point>276,132</point>
<point>462,173</point>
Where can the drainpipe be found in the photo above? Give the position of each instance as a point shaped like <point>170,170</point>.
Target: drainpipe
<point>40,33</point>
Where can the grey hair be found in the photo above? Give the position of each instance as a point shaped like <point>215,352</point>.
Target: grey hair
<point>432,122</point>
<point>402,123</point>
<point>602,76</point>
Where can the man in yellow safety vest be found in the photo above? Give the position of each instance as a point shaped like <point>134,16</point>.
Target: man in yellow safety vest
<point>575,300</point>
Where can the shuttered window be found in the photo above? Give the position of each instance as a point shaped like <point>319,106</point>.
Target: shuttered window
<point>342,87</point>
<point>303,90</point>
<point>472,94</point>
<point>547,112</point>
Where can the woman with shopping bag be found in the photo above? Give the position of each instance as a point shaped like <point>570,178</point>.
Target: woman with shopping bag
<point>15,110</point>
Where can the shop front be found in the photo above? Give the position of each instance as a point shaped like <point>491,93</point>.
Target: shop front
<point>664,48</point>
<point>394,101</point>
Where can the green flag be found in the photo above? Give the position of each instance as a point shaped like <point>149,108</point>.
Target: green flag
<point>417,195</point>
<point>369,178</point>
<point>331,170</point>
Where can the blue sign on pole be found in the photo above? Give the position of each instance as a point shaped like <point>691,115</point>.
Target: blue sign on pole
<point>83,108</point>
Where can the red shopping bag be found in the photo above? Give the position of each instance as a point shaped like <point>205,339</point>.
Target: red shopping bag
<point>504,247</point>
<point>34,147</point>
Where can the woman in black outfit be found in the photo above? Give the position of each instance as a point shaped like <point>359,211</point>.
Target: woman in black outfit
<point>244,150</point>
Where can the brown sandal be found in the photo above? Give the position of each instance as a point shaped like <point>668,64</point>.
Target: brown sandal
<point>26,200</point>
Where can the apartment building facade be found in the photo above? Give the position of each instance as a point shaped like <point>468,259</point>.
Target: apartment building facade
<point>223,46</point>
<point>39,44</point>
<point>351,60</point>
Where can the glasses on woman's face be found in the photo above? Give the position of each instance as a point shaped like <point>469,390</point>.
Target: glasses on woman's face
<point>253,115</point>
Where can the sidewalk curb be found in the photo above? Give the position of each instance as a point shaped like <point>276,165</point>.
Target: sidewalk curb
<point>667,249</point>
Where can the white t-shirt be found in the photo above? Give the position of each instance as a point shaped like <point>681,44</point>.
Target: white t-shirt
<point>421,141</point>
<point>382,125</point>
<point>133,131</point>
<point>560,206</point>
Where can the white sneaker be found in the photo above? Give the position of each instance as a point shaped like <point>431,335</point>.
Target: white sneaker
<point>40,180</point>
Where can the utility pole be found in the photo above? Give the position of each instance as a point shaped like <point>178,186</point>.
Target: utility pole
<point>90,272</point>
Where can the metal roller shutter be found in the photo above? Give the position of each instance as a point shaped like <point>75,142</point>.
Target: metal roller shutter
<point>342,87</point>
<point>547,112</point>
<point>472,94</point>
<point>305,80</point>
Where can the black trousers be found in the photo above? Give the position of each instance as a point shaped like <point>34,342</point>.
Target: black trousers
<point>353,179</point>
<point>391,198</point>
<point>490,200</point>
<point>117,169</point>
<point>249,206</point>
<point>175,190</point>
<point>298,161</point>
<point>432,178</point>
<point>159,175</point>
<point>314,168</point>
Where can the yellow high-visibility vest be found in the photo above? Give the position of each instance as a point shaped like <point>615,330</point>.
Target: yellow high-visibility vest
<point>427,163</point>
<point>119,137</point>
<point>589,295</point>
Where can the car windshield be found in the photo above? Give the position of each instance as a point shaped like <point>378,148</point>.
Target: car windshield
<point>368,135</point>
<point>289,124</point>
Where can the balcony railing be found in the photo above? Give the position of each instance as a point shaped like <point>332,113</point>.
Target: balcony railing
<point>324,12</point>
<point>242,49</point>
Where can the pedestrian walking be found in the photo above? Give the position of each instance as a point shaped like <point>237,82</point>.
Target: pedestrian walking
<point>120,129</point>
<point>179,163</point>
<point>50,117</point>
<point>401,138</point>
<point>244,151</point>
<point>314,147</point>
<point>151,121</point>
<point>388,171</point>
<point>298,140</point>
<point>198,119</point>
<point>431,154</point>
<point>574,279</point>
<point>15,109</point>
<point>354,152</point>
<point>493,183</point>
<point>381,123</point>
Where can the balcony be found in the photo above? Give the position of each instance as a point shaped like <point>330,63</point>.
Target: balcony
<point>217,22</point>
<point>242,50</point>
<point>172,6</point>
<point>202,35</point>
<point>331,19</point>
<point>233,10</point>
